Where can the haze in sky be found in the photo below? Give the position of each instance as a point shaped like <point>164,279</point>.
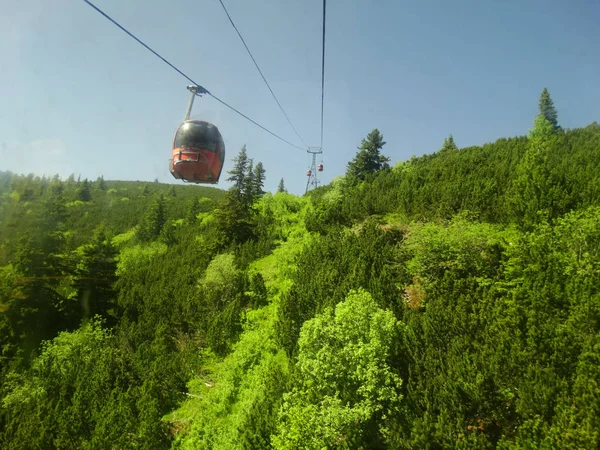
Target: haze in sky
<point>80,96</point>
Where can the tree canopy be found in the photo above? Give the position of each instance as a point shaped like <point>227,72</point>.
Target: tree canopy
<point>449,301</point>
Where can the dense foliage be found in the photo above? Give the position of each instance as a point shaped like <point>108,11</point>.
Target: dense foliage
<point>449,301</point>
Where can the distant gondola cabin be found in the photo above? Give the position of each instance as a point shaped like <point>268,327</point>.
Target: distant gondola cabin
<point>198,152</point>
<point>320,168</point>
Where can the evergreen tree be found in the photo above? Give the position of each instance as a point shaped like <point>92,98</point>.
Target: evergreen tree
<point>248,180</point>
<point>154,221</point>
<point>83,191</point>
<point>281,187</point>
<point>547,109</point>
<point>247,191</point>
<point>82,391</point>
<point>537,190</point>
<point>95,277</point>
<point>238,173</point>
<point>193,210</point>
<point>168,234</point>
<point>35,310</point>
<point>369,159</point>
<point>101,183</point>
<point>233,219</point>
<point>258,181</point>
<point>449,144</point>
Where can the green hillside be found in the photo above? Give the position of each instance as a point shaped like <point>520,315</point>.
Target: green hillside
<point>448,301</point>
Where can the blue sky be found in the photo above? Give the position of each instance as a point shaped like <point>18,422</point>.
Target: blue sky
<point>79,96</point>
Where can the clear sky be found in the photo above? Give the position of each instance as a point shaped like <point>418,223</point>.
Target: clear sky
<point>77,95</point>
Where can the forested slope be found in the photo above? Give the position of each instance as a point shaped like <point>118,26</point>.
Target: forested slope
<point>449,301</point>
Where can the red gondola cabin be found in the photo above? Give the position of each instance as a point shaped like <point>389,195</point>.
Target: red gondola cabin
<point>198,152</point>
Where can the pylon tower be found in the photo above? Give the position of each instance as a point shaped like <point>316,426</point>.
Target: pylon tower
<point>313,181</point>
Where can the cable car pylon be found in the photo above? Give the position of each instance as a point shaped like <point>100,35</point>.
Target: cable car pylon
<point>313,181</point>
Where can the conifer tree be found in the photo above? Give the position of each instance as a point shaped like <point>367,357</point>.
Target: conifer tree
<point>369,159</point>
<point>95,276</point>
<point>248,179</point>
<point>101,183</point>
<point>233,218</point>
<point>258,181</point>
<point>238,173</point>
<point>154,220</point>
<point>449,144</point>
<point>247,191</point>
<point>193,210</point>
<point>547,109</point>
<point>83,191</point>
<point>530,196</point>
<point>281,187</point>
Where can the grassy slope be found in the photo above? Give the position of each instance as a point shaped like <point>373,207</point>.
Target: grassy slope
<point>223,394</point>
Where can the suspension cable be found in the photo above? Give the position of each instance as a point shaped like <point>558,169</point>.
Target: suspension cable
<point>260,72</point>
<point>188,78</point>
<point>323,71</point>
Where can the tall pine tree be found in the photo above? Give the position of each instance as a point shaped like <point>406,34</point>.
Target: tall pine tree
<point>281,187</point>
<point>369,159</point>
<point>248,179</point>
<point>238,173</point>
<point>547,109</point>
<point>258,181</point>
